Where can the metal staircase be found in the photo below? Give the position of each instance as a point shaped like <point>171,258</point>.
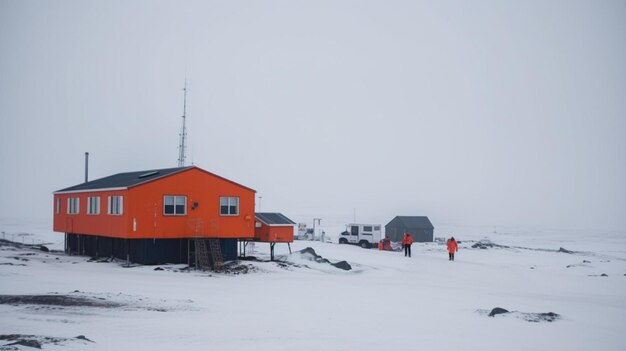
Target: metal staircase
<point>202,254</point>
<point>216,254</point>
<point>206,253</point>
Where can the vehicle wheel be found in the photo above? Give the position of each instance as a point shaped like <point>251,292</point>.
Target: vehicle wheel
<point>365,244</point>
<point>343,241</point>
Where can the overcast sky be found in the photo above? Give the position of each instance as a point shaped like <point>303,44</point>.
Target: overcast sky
<point>469,112</point>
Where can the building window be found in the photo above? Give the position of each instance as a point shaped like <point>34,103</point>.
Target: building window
<point>116,205</point>
<point>367,229</point>
<point>57,205</point>
<point>93,205</point>
<point>174,205</point>
<point>229,206</point>
<point>377,228</point>
<point>73,205</point>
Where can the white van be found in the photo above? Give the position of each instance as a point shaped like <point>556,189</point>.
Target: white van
<point>364,235</point>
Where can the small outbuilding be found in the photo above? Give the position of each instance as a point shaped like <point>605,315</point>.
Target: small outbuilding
<point>420,228</point>
<point>273,228</point>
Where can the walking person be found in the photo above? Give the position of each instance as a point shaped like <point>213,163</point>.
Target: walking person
<point>452,248</point>
<point>407,240</point>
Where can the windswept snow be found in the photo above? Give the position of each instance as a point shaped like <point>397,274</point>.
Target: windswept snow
<point>385,301</point>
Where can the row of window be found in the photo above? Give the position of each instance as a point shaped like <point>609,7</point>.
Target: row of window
<point>177,205</point>
<point>93,205</point>
<point>173,205</point>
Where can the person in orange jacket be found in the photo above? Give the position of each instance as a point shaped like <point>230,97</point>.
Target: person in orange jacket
<point>407,240</point>
<point>452,248</point>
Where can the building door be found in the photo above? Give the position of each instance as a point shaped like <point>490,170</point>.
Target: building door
<point>354,234</point>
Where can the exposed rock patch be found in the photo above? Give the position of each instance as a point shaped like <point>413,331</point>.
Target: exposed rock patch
<point>487,244</point>
<point>56,300</point>
<point>342,265</point>
<point>526,316</point>
<point>310,254</point>
<point>235,268</point>
<point>36,341</point>
<point>497,310</point>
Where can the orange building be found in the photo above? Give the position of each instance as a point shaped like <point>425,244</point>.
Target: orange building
<point>151,217</point>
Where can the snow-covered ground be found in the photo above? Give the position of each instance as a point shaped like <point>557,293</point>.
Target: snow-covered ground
<point>386,302</point>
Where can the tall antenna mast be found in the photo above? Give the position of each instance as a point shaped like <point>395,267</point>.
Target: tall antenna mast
<point>183,131</point>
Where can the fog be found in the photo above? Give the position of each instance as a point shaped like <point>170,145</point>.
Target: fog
<point>478,113</point>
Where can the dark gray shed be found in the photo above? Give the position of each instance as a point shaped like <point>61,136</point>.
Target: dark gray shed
<point>419,227</point>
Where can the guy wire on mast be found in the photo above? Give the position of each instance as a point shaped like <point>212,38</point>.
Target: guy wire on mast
<point>183,131</point>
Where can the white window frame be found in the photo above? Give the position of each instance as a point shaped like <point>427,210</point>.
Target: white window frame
<point>229,204</point>
<point>176,199</point>
<point>93,205</point>
<point>73,205</point>
<point>117,210</point>
<point>57,205</point>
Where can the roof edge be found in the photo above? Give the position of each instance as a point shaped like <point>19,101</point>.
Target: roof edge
<point>182,169</point>
<point>88,190</point>
<point>276,225</point>
<point>220,177</point>
<point>162,176</point>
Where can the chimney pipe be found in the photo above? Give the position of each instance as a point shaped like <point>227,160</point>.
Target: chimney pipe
<point>86,167</point>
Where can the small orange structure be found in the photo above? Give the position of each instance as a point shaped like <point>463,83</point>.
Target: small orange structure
<point>386,244</point>
<point>273,228</point>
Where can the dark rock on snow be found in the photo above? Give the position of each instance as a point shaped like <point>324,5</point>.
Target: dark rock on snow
<point>481,245</point>
<point>486,244</point>
<point>82,337</point>
<point>529,317</point>
<point>319,259</point>
<point>159,269</point>
<point>44,249</point>
<point>541,317</point>
<point>35,341</point>
<point>310,251</point>
<point>565,250</point>
<point>497,310</point>
<point>28,343</point>
<point>342,265</point>
<point>55,300</point>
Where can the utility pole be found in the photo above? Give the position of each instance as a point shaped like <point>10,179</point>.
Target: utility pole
<point>183,131</point>
<point>319,221</point>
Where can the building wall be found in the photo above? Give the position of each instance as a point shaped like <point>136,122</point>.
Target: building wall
<point>143,215</point>
<point>275,234</point>
<point>395,232</point>
<point>98,224</point>
<point>147,220</point>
